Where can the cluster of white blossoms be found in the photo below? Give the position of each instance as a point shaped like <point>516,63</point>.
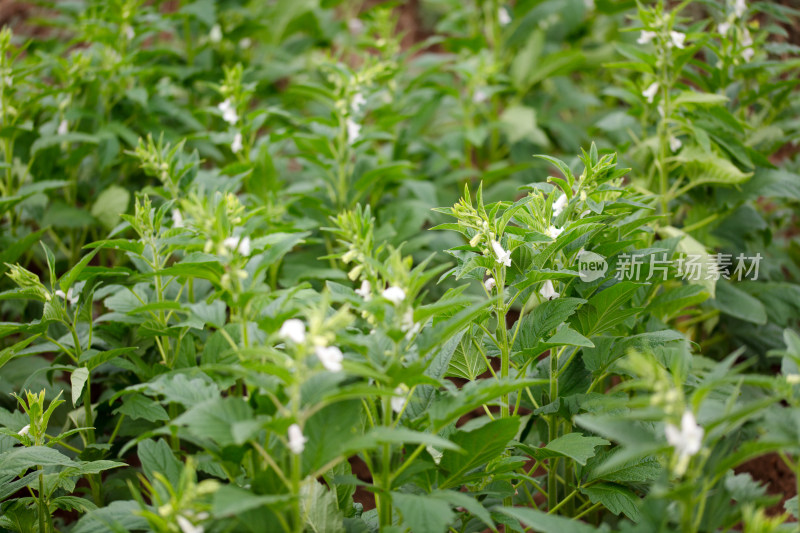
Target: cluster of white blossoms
<point>559,205</point>
<point>676,38</point>
<point>68,297</point>
<point>297,441</point>
<point>230,116</point>
<point>687,440</point>
<point>357,102</point>
<point>501,256</point>
<point>394,294</point>
<point>239,244</point>
<point>331,357</point>
<point>746,40</point>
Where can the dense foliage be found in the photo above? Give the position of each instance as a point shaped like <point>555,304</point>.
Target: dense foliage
<point>233,299</point>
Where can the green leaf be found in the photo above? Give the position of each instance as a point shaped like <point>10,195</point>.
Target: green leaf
<point>544,318</point>
<point>231,500</point>
<point>115,517</point>
<point>473,506</point>
<point>78,380</point>
<point>480,446</point>
<point>136,406</point>
<point>693,97</point>
<point>703,167</point>
<point>423,514</point>
<point>737,303</point>
<point>573,445</point>
<point>110,204</point>
<point>71,276</point>
<point>320,510</point>
<point>547,523</point>
<point>385,435</point>
<point>691,247</point>
<point>467,362</point>
<point>616,498</point>
<point>636,470</point>
<point>7,354</point>
<point>214,419</point>
<point>156,456</point>
<point>602,311</point>
<point>17,460</point>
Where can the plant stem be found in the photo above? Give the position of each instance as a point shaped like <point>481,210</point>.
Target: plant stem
<point>552,481</point>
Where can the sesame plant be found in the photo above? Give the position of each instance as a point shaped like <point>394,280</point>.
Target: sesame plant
<point>231,298</point>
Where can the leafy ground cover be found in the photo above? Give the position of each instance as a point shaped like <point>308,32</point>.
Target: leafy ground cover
<point>421,267</point>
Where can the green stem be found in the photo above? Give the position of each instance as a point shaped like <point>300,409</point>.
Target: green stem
<point>552,481</point>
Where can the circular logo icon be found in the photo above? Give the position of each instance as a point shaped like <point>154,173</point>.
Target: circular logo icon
<point>591,266</point>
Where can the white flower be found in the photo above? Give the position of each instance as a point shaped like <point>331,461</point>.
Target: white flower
<point>24,431</point>
<point>365,291</point>
<point>724,27</point>
<point>677,38</point>
<point>394,295</point>
<point>330,357</point>
<point>503,257</point>
<point>242,244</point>
<point>357,102</point>
<point>245,43</point>
<point>503,17</point>
<point>747,39</point>
<point>480,96</point>
<point>739,8</point>
<point>559,205</point>
<point>63,127</point>
<point>228,112</point>
<point>215,35</point>
<point>489,284</point>
<point>355,26</point>
<point>68,297</point>
<point>187,527</point>
<point>128,31</point>
<point>748,53</point>
<point>650,92</point>
<point>236,145</point>
<point>177,219</point>
<point>410,327</point>
<point>553,232</point>
<point>791,379</point>
<point>646,36</point>
<point>548,292</point>
<point>675,144</point>
<point>399,398</point>
<point>297,441</point>
<point>589,5</point>
<point>353,131</point>
<point>294,330</point>
<point>687,440</point>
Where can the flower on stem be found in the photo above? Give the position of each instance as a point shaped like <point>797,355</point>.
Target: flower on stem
<point>408,325</point>
<point>297,441</point>
<point>675,144</point>
<point>357,102</point>
<point>548,292</point>
<point>355,26</point>
<point>553,232</point>
<point>559,205</point>
<point>399,398</point>
<point>330,356</point>
<point>63,127</point>
<point>650,92</point>
<point>215,35</point>
<point>24,431</point>
<point>353,131</point>
<point>242,244</point>
<point>394,295</point>
<point>724,27</point>
<point>228,112</point>
<point>68,296</point>
<point>293,330</point>
<point>177,219</point>
<point>740,8</point>
<point>645,37</point>
<point>236,145</point>
<point>503,257</point>
<point>687,440</point>
<point>245,43</point>
<point>503,17</point>
<point>187,527</point>
<point>489,284</point>
<point>365,291</point>
<point>480,96</point>
<point>677,38</point>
